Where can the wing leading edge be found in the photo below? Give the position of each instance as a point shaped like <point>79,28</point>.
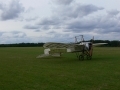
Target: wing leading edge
<point>71,47</point>
<point>58,45</point>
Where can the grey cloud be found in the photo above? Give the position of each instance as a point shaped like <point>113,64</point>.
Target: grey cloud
<point>107,23</point>
<point>1,6</point>
<point>37,27</point>
<point>88,9</point>
<point>1,33</point>
<point>49,21</point>
<point>18,34</point>
<point>31,27</point>
<point>45,27</point>
<point>63,16</point>
<point>77,19</point>
<point>113,12</point>
<point>71,12</point>
<point>37,30</point>
<point>63,2</point>
<point>97,25</point>
<point>82,25</point>
<point>11,11</point>
<point>77,10</point>
<point>31,19</point>
<point>61,37</point>
<point>13,36</point>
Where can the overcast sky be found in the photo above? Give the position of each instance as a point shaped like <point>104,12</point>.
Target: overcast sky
<point>58,20</point>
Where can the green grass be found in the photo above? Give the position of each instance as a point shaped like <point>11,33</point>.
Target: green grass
<point>21,70</point>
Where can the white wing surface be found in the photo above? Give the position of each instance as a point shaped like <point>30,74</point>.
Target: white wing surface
<point>62,45</point>
<point>58,45</point>
<point>98,44</point>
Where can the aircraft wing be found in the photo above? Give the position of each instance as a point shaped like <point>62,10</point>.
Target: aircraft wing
<point>60,45</point>
<point>99,44</point>
<point>57,45</point>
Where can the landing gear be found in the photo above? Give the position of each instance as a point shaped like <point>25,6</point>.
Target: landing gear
<point>85,54</point>
<point>81,57</point>
<point>89,57</point>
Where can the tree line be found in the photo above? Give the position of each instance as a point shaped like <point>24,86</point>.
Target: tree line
<point>114,43</point>
<point>22,45</point>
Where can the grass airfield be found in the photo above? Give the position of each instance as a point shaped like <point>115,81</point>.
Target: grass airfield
<point>21,70</point>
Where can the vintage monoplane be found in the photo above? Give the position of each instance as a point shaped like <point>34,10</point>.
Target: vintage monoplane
<point>81,48</point>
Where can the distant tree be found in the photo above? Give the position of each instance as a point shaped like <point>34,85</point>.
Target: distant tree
<point>23,45</point>
<point>115,43</point>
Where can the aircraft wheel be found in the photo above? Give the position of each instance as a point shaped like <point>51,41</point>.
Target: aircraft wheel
<point>89,57</point>
<point>81,57</point>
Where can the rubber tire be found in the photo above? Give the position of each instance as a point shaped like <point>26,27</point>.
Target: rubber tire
<point>89,57</point>
<point>81,57</point>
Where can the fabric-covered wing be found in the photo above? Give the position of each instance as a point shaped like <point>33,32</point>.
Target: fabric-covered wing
<point>99,44</point>
<point>58,45</point>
